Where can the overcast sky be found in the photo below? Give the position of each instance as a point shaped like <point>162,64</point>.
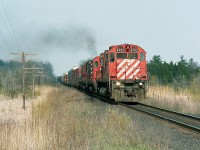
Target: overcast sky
<point>64,32</point>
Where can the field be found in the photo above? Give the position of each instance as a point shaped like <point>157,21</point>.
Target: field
<point>182,100</point>
<point>64,118</point>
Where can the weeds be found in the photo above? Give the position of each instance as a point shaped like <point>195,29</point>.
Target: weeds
<point>181,100</point>
<point>64,119</point>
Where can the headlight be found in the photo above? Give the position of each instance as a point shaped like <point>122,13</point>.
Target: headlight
<point>118,83</point>
<point>140,83</point>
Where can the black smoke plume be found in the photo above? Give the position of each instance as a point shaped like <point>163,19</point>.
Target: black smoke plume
<point>73,39</point>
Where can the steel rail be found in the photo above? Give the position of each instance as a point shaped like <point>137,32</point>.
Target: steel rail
<point>173,112</point>
<point>186,126</point>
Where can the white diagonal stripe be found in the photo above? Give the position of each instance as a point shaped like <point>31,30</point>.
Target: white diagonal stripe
<point>130,69</point>
<point>134,66</point>
<point>122,71</point>
<point>121,64</point>
<point>131,76</point>
<point>136,72</point>
<point>123,77</point>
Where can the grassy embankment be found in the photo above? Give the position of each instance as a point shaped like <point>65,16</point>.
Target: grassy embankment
<point>65,119</point>
<point>185,100</point>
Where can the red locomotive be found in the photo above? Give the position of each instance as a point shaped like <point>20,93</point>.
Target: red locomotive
<point>119,73</point>
<point>90,73</point>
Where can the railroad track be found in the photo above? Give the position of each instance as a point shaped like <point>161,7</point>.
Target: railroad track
<point>183,120</point>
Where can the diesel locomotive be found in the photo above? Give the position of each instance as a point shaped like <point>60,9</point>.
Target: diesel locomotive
<point>119,73</point>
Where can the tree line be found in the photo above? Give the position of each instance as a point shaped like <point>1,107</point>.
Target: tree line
<point>11,76</point>
<point>181,73</point>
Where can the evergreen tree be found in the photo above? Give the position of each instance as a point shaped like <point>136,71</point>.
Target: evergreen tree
<point>179,74</point>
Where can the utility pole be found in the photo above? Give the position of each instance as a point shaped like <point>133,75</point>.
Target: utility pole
<point>23,59</point>
<point>35,72</point>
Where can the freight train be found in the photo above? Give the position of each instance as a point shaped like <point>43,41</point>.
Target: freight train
<point>119,73</point>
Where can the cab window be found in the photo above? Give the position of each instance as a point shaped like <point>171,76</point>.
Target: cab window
<point>142,57</point>
<point>112,57</point>
<point>121,55</point>
<point>132,56</point>
<point>96,64</point>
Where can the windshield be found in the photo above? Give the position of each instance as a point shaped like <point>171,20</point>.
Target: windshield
<point>132,56</point>
<point>121,55</point>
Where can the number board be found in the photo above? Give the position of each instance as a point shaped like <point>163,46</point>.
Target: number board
<point>134,50</point>
<point>120,49</point>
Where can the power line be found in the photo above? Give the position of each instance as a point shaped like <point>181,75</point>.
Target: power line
<point>19,29</point>
<point>9,33</point>
<point>19,46</point>
<point>9,30</point>
<point>6,43</point>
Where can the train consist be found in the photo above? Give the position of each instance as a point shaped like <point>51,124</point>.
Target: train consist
<point>119,73</point>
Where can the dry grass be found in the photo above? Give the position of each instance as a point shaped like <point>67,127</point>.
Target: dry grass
<point>178,100</point>
<point>65,119</point>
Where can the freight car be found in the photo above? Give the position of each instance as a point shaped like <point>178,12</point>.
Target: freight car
<point>119,73</point>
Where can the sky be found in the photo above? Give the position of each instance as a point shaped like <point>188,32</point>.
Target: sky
<point>66,32</point>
